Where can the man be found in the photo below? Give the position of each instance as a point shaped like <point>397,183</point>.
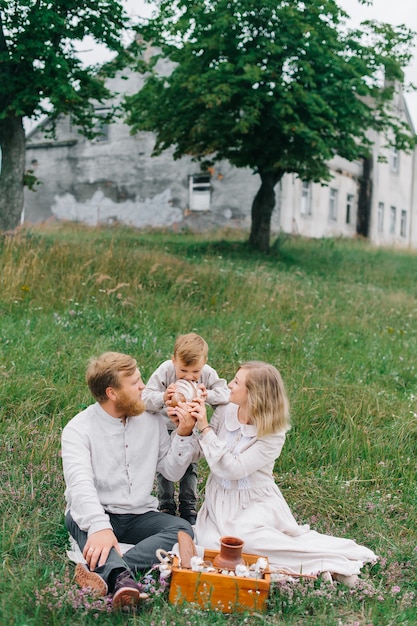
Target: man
<point>110,453</point>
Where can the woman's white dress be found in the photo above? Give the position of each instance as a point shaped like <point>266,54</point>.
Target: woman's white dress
<point>242,500</point>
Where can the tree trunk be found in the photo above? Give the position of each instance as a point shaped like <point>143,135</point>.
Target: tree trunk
<point>262,207</point>
<point>12,144</point>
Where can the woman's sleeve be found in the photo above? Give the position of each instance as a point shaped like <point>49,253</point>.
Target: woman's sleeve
<point>224,464</point>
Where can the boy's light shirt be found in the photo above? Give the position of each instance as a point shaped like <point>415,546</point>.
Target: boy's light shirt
<point>153,394</point>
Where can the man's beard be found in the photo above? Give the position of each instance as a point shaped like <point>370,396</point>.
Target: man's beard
<point>129,407</point>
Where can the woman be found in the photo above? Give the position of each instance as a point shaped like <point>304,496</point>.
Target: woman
<point>241,444</point>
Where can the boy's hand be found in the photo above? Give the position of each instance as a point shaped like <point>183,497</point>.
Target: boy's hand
<point>203,392</point>
<point>169,392</point>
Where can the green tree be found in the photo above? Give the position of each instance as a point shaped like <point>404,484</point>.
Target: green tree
<point>274,85</point>
<point>40,73</point>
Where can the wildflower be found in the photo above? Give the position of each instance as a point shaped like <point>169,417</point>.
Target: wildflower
<point>395,589</point>
<point>408,599</point>
<point>57,594</point>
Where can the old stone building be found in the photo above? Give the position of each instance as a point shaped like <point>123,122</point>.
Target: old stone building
<point>115,179</point>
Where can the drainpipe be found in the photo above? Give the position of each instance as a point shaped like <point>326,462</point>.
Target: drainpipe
<point>413,207</point>
<point>365,198</point>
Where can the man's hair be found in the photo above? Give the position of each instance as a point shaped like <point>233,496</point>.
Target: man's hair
<point>106,370</point>
<point>190,348</point>
<point>268,405</point>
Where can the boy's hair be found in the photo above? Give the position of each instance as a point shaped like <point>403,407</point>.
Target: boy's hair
<point>190,348</point>
<point>268,405</point>
<point>106,370</point>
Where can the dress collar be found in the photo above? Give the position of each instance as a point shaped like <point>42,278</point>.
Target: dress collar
<point>232,423</point>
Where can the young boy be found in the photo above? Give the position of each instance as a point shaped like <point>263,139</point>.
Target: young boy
<point>188,362</point>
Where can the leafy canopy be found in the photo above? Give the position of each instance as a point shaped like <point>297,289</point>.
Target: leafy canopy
<point>276,85</point>
<point>39,69</point>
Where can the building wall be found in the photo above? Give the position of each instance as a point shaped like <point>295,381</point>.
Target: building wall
<point>413,212</point>
<point>393,192</point>
<point>115,179</point>
<point>317,222</point>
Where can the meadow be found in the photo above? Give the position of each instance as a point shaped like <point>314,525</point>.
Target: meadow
<point>338,318</point>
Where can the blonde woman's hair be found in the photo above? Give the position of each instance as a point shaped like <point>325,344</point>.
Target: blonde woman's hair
<point>106,370</point>
<point>190,349</point>
<point>268,405</point>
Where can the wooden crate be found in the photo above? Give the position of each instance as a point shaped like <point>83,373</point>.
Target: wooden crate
<point>215,591</point>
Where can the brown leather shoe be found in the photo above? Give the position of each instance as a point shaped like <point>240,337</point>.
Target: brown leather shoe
<point>90,580</point>
<point>126,592</point>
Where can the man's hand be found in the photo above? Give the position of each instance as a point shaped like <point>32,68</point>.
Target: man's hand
<point>172,414</point>
<point>98,546</point>
<point>186,421</point>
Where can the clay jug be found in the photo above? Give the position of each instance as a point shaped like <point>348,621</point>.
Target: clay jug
<point>230,553</point>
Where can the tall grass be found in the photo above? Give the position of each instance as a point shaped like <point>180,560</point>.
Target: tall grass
<point>337,317</point>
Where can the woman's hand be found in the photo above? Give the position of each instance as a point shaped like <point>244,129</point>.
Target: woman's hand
<point>199,413</point>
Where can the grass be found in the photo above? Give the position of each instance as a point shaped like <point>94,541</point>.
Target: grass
<point>337,317</point>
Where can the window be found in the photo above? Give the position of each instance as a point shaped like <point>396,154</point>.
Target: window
<point>394,160</point>
<point>306,196</point>
<point>200,192</point>
<point>101,127</point>
<point>381,217</point>
<point>392,220</point>
<point>349,207</point>
<point>333,204</point>
<point>403,225</point>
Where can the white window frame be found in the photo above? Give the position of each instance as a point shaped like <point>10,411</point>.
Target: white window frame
<point>394,160</point>
<point>306,198</point>
<point>403,223</point>
<point>392,219</point>
<point>333,193</point>
<point>381,209</point>
<point>199,191</point>
<point>350,198</point>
